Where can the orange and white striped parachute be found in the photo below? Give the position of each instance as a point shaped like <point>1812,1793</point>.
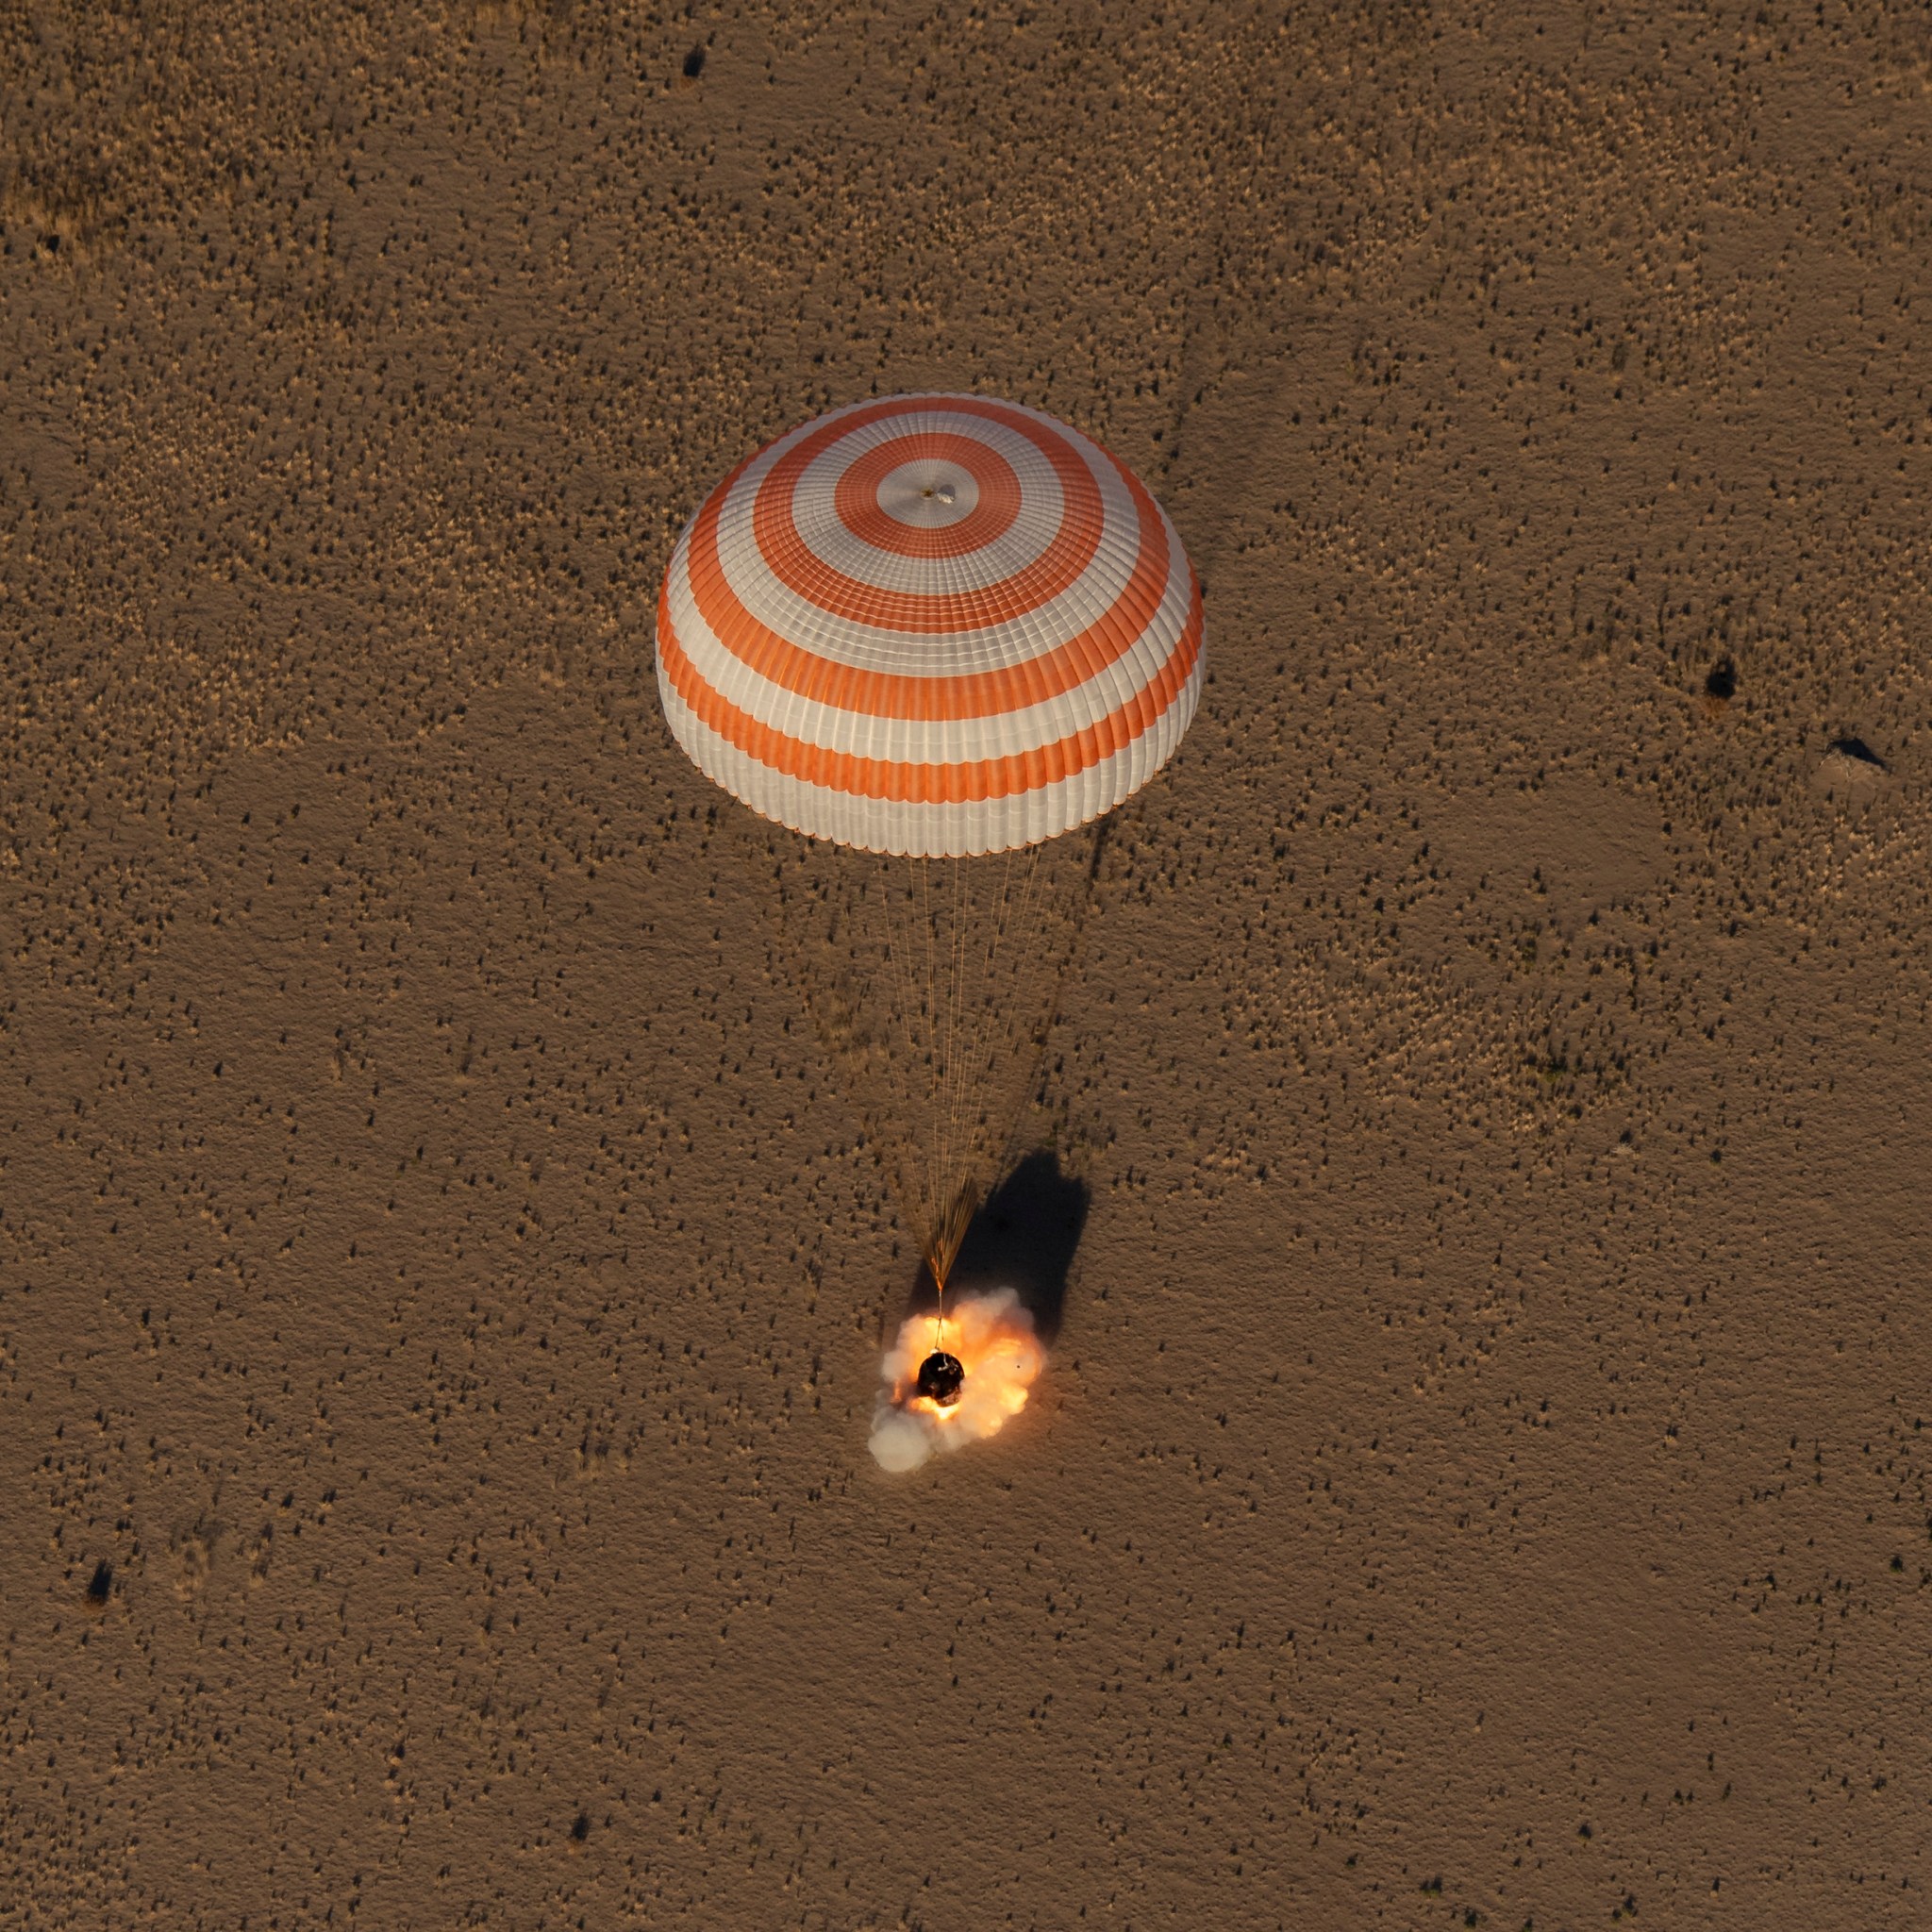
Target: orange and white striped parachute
<point>945,630</point>
<point>930,625</point>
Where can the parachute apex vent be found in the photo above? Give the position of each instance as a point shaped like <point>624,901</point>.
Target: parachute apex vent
<point>941,1378</point>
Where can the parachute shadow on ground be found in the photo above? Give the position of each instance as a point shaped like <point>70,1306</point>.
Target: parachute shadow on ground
<point>1024,1237</point>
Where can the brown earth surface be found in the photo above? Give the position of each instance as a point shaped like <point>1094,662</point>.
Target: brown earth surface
<point>1479,1477</point>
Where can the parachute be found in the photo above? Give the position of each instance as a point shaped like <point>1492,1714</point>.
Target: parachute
<point>937,635</point>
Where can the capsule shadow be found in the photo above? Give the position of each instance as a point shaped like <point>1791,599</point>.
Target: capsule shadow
<point>1024,1237</point>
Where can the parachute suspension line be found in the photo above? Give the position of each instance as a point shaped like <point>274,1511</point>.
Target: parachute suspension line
<point>942,1238</point>
<point>944,1233</point>
<point>932,1044</point>
<point>967,1007</point>
<point>897,940</point>
<point>986,1018</point>
<point>979,1040</point>
<point>1023,924</point>
<point>1033,1044</point>
<point>941,1068</point>
<point>948,1201</point>
<point>926,1029</point>
<point>899,944</point>
<point>956,1150</point>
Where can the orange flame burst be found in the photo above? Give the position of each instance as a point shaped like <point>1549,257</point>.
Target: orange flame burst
<point>993,1336</point>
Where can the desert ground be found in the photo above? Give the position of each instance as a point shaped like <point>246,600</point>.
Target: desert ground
<point>1478,1476</point>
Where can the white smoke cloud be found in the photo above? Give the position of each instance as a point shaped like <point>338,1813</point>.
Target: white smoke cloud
<point>993,1336</point>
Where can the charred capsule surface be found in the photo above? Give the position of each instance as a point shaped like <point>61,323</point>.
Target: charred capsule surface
<point>940,1378</point>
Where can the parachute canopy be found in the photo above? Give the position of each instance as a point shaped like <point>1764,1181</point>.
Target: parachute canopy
<point>930,625</point>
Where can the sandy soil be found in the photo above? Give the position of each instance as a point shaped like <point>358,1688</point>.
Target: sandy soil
<point>1479,1476</point>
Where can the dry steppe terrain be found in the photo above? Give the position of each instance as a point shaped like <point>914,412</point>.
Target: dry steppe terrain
<point>1480,1478</point>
